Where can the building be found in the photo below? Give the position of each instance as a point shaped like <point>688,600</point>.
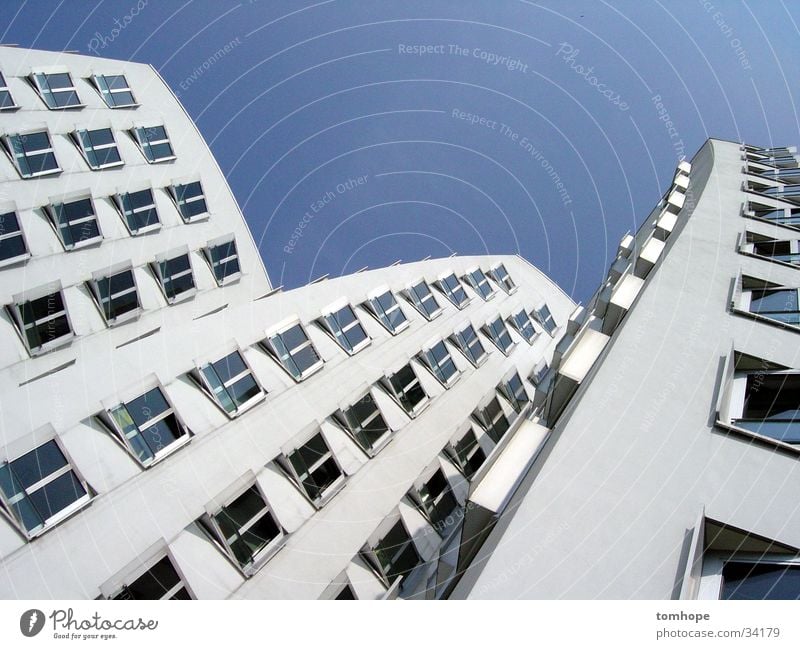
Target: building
<point>174,427</point>
<point>671,470</point>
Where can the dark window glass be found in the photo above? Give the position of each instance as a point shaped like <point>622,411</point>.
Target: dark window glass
<point>755,581</point>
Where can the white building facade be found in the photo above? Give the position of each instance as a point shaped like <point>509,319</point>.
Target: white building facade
<point>173,427</point>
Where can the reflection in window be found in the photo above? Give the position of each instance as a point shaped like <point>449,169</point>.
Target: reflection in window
<point>231,383</point>
<point>294,351</point>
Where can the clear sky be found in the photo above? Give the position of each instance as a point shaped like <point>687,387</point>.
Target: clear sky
<point>410,128</point>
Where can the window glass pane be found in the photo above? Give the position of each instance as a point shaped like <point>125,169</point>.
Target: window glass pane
<point>160,435</point>
<point>144,408</point>
<point>154,583</point>
<point>230,366</point>
<point>754,581</point>
<point>242,510</point>
<point>243,390</point>
<point>57,495</point>
<point>38,464</point>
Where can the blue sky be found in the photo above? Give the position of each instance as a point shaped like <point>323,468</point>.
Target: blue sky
<point>493,126</point>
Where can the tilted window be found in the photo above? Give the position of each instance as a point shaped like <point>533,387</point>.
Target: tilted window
<point>190,200</point>
<point>496,331</point>
<point>75,222</point>
<point>175,276</point>
<point>231,383</point>
<point>114,90</point>
<point>148,426</point>
<point>138,210</point>
<point>404,385</point>
<point>346,329</point>
<point>99,148</point>
<point>786,251</point>
<point>545,318</point>
<point>42,487</point>
<point>154,143</point>
<point>491,417</point>
<point>453,290</point>
<point>32,154</point>
<point>500,275</point>
<point>423,300</point>
<point>13,247</point>
<point>440,363</point>
<point>436,499</point>
<point>385,307</point>
<point>521,321</point>
<point>6,100</point>
<point>43,321</point>
<point>467,452</point>
<point>478,281</point>
<point>57,90</point>
<point>470,344</point>
<point>395,554</point>
<point>316,469</point>
<point>117,295</point>
<point>768,300</point>
<point>246,528</point>
<point>293,349</point>
<point>780,215</point>
<point>223,258</point>
<point>161,580</point>
<point>513,389</point>
<point>364,421</point>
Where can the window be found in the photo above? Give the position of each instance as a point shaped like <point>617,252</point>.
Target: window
<point>436,499</point>
<point>478,281</point>
<point>779,215</point>
<point>114,90</point>
<point>513,389</point>
<point>778,303</point>
<point>116,295</point>
<point>75,222</point>
<point>56,90</point>
<point>440,363</point>
<point>387,310</point>
<point>315,468</point>
<point>766,580</point>
<point>42,320</point>
<point>521,321</point>
<point>13,247</point>
<point>771,405</point>
<point>247,529</point>
<point>148,426</point>
<point>174,273</point>
<point>467,452</point>
<point>470,345</point>
<point>346,329</point>
<point>190,199</point>
<point>138,210</point>
<point>32,154</point>
<point>99,148</point>
<point>294,350</point>
<point>42,487</point>
<point>786,251</point>
<point>453,290</point>
<point>6,100</point>
<point>159,581</point>
<point>154,143</point>
<point>423,300</point>
<point>231,383</point>
<point>224,260</point>
<point>538,372</point>
<point>365,423</point>
<point>545,318</point>
<point>406,388</point>
<point>500,275</point>
<point>490,415</point>
<point>396,554</point>
<point>497,332</point>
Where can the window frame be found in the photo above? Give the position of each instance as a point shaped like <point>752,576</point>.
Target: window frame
<point>144,145</point>
<point>158,272</point>
<point>6,210</point>
<point>371,547</point>
<point>217,506</point>
<point>345,419</point>
<point>107,275</point>
<point>520,328</point>
<point>331,489</point>
<point>464,347</point>
<point>38,293</point>
<point>108,92</point>
<point>269,346</point>
<point>7,503</point>
<point>122,583</point>
<point>216,243</point>
<point>427,506</point>
<point>200,376</point>
<point>175,196</point>
<point>503,279</point>
<point>119,202</point>
<point>4,88</point>
<point>488,424</point>
<point>544,317</point>
<point>448,291</point>
<point>463,461</point>
<point>42,92</point>
<point>476,284</point>
<point>417,302</point>
<point>331,312</point>
<point>9,148</point>
<point>77,137</point>
<point>387,383</point>
<point>512,395</point>
<point>495,336</point>
<point>375,308</point>
<point>52,211</point>
<point>434,364</point>
<point>107,418</point>
<point>742,302</point>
